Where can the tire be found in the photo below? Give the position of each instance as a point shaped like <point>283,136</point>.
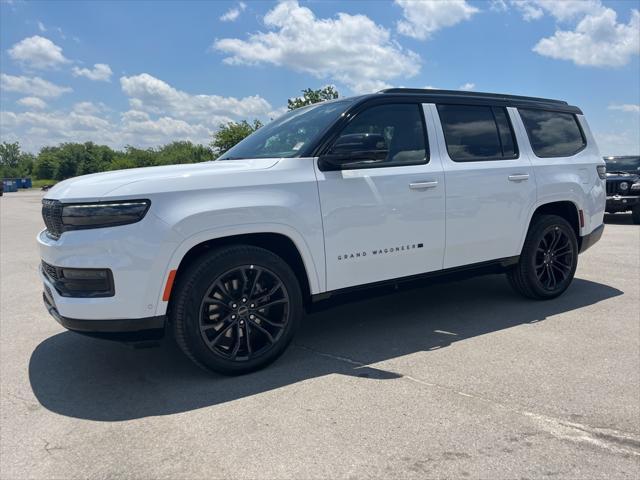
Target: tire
<point>545,269</point>
<point>236,309</point>
<point>635,214</point>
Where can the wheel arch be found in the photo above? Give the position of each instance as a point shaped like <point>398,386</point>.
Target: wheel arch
<point>566,209</point>
<point>291,249</point>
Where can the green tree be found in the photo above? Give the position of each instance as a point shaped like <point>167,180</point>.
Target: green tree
<point>310,96</point>
<point>26,163</point>
<point>9,154</point>
<point>231,133</point>
<point>45,166</point>
<point>183,152</point>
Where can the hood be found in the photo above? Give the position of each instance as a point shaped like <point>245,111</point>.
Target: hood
<point>156,179</point>
<point>629,177</point>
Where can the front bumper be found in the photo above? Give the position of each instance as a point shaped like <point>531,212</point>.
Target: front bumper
<point>125,330</point>
<point>137,256</point>
<point>619,203</point>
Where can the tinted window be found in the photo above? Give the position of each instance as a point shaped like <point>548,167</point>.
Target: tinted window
<point>552,134</point>
<point>474,133</point>
<point>290,134</point>
<point>397,130</point>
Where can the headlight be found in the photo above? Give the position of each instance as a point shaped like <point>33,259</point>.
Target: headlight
<point>624,185</point>
<point>103,214</point>
<point>635,186</point>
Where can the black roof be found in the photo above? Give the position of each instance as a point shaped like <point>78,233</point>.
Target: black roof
<point>481,98</point>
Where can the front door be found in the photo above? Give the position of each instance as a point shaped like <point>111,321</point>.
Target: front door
<point>384,218</point>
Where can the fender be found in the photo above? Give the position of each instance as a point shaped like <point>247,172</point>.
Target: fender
<point>313,273</point>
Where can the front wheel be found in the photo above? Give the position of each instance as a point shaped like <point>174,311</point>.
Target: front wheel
<point>548,260</point>
<point>236,309</point>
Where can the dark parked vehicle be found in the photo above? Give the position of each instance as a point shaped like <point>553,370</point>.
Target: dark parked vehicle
<point>623,185</point>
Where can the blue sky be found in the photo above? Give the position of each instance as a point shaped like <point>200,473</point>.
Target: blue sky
<point>146,73</point>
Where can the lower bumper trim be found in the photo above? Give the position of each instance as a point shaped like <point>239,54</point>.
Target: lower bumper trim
<point>591,238</point>
<point>126,330</point>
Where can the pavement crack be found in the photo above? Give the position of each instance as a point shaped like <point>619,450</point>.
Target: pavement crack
<point>609,439</point>
<point>50,449</point>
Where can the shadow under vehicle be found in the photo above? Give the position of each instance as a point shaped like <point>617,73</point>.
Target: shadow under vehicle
<point>81,377</point>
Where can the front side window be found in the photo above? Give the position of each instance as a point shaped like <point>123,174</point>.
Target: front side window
<point>391,134</point>
<point>289,135</point>
<point>477,133</point>
<point>552,134</point>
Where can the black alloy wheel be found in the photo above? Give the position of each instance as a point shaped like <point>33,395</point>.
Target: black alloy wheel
<point>244,313</point>
<point>548,260</point>
<point>235,309</point>
<point>554,258</point>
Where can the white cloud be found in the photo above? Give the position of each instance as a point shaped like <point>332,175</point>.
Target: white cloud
<point>626,107</point>
<point>32,103</point>
<point>598,41</point>
<point>134,116</point>
<point>89,108</point>
<point>34,86</point>
<point>562,10</point>
<point>467,86</point>
<point>233,13</point>
<point>152,95</point>
<point>422,18</point>
<point>38,52</point>
<point>37,129</point>
<point>350,49</point>
<point>159,114</point>
<point>100,72</point>
<point>41,26</point>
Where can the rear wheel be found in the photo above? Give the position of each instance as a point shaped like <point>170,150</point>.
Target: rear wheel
<point>548,260</point>
<point>236,309</point>
<point>635,214</point>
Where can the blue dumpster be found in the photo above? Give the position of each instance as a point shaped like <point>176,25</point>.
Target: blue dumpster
<point>26,183</point>
<point>10,185</point>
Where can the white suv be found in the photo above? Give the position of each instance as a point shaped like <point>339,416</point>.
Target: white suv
<point>398,185</point>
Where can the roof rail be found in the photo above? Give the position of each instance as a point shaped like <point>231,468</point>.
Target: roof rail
<point>458,93</point>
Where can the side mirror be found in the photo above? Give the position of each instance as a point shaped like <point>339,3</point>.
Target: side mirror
<point>355,150</point>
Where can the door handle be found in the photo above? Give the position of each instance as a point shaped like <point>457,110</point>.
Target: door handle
<point>519,177</point>
<point>423,185</point>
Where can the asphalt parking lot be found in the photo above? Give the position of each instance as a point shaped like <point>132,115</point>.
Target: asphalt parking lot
<point>457,380</point>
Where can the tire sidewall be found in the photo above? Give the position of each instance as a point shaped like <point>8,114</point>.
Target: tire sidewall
<point>196,285</point>
<point>541,229</point>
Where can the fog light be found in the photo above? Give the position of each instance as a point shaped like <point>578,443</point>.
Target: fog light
<point>80,282</point>
<point>84,274</point>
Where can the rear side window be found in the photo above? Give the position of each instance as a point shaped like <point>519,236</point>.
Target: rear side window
<point>553,134</point>
<point>477,133</point>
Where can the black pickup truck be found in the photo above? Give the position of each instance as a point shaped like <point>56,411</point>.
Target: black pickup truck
<point>623,185</point>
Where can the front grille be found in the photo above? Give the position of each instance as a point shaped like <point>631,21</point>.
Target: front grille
<point>52,216</point>
<point>612,188</point>
<point>50,271</point>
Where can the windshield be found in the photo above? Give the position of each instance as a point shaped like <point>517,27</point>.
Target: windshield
<point>290,134</point>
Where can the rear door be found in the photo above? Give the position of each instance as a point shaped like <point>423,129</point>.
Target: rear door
<point>490,187</point>
<point>384,219</point>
